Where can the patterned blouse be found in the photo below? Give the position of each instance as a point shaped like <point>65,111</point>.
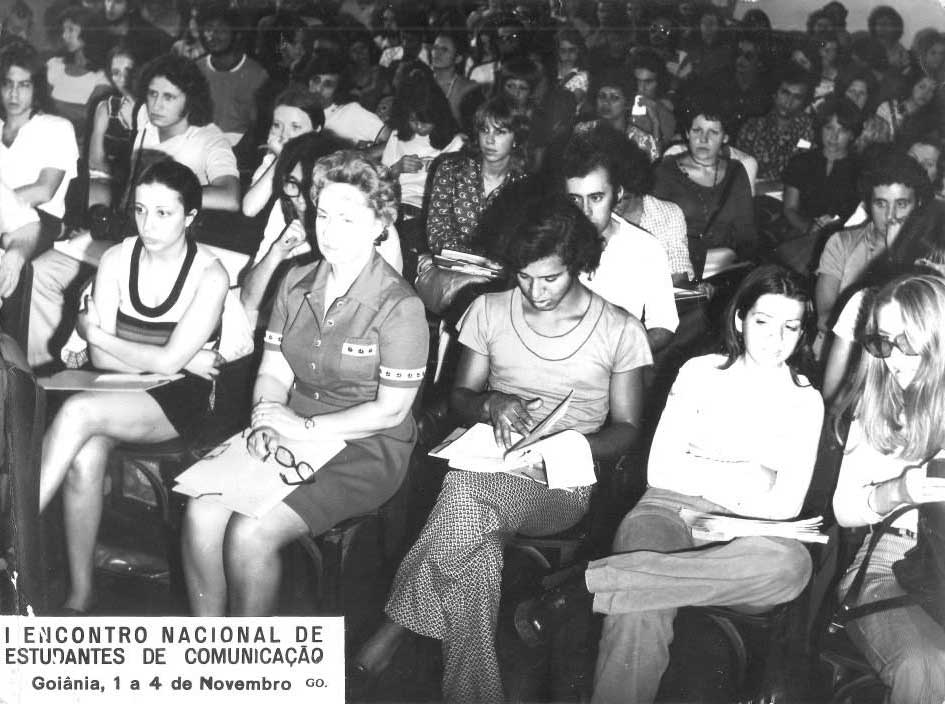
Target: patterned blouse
<point>772,147</point>
<point>456,201</point>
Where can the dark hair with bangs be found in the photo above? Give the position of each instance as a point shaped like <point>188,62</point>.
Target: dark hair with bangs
<point>649,60</point>
<point>845,110</point>
<point>177,177</point>
<point>892,166</point>
<point>25,56</point>
<point>770,279</point>
<point>884,12</point>
<point>95,44</point>
<point>531,225</point>
<point>498,112</point>
<point>297,97</point>
<point>421,99</point>
<point>600,148</point>
<point>188,79</point>
<point>711,106</point>
<point>613,77</point>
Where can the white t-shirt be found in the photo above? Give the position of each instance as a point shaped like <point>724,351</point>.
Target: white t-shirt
<point>352,122</point>
<point>413,186</point>
<point>45,142</point>
<point>634,274</point>
<point>389,249</point>
<point>14,214</point>
<point>72,89</point>
<point>204,150</point>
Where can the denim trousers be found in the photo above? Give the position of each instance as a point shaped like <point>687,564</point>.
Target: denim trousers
<point>905,646</point>
<point>659,567</point>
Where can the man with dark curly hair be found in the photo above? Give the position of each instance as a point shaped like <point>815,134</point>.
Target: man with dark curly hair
<point>177,118</point>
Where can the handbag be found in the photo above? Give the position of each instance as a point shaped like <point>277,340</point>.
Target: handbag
<point>697,245</point>
<point>439,287</point>
<point>920,572</point>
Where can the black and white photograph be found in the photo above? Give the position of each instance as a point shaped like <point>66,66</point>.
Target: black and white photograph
<point>474,351</point>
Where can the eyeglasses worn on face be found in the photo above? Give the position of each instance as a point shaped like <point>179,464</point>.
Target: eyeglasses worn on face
<point>304,474</point>
<point>881,346</point>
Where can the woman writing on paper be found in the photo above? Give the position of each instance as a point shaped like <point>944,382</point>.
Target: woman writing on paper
<point>898,425</point>
<point>524,350</point>
<point>156,306</point>
<point>346,349</point>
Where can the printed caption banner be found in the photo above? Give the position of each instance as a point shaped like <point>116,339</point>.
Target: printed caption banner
<point>122,659</point>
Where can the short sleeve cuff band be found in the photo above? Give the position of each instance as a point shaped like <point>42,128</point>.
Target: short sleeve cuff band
<point>406,377</point>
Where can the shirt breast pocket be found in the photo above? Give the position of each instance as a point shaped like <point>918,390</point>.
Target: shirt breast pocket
<point>359,358</point>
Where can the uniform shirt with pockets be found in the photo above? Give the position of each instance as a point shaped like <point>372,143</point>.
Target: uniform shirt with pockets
<point>374,334</point>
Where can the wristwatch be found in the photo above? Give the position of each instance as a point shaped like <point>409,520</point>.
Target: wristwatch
<point>310,423</point>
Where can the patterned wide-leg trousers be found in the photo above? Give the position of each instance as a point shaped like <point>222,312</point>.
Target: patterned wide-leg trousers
<point>448,586</point>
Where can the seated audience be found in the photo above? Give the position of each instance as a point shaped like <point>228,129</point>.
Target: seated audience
<point>892,188</point>
<point>633,272</point>
<point>897,428</point>
<point>343,115</point>
<point>886,27</point>
<point>860,86</point>
<point>156,307</point>
<point>786,129</point>
<point>368,81</point>
<point>232,562</point>
<point>16,24</point>
<point>572,74</point>
<point>38,153</point>
<point>710,50</point>
<point>423,128</point>
<point>109,146</point>
<point>928,152</point>
<point>74,76</point>
<point>296,112</point>
<point>288,233</point>
<point>524,350</point>
<point>738,436</point>
<point>177,118</point>
<point>928,51</point>
<point>447,57</point>
<point>661,218</point>
<point>913,111</point>
<point>235,79</point>
<point>613,93</point>
<point>125,24</point>
<point>713,191</point>
<point>821,188</point>
<point>652,83</point>
<point>464,184</point>
<point>663,35</point>
<point>749,95</point>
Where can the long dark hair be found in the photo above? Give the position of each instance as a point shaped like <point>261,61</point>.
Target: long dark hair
<point>303,150</point>
<point>25,56</point>
<point>764,280</point>
<point>419,97</point>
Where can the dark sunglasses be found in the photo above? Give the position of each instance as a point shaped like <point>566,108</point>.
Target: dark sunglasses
<point>881,346</point>
<point>304,474</point>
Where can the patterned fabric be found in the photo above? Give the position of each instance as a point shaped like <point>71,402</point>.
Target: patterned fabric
<point>448,585</point>
<point>647,142</point>
<point>666,221</point>
<point>772,146</point>
<point>456,200</point>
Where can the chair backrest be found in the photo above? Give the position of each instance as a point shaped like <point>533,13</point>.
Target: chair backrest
<point>22,418</point>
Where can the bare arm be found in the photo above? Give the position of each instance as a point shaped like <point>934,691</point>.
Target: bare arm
<point>190,334</point>
<point>42,189</point>
<point>20,246</point>
<point>97,160</point>
<point>223,193</point>
<point>825,297</point>
<point>259,192</point>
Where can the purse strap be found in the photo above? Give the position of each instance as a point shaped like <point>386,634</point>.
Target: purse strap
<point>723,198</point>
<point>849,610</point>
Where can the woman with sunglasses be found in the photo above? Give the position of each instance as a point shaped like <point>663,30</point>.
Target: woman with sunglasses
<point>156,307</point>
<point>898,427</point>
<point>345,353</point>
<point>287,233</point>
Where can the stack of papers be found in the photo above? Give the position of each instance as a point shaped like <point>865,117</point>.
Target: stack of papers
<point>467,263</point>
<point>229,475</point>
<point>91,380</point>
<point>713,526</point>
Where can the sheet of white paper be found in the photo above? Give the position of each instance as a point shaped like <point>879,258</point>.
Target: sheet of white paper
<point>568,460</point>
<point>247,485</point>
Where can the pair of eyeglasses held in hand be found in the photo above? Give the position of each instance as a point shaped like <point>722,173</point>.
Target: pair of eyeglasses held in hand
<point>304,473</point>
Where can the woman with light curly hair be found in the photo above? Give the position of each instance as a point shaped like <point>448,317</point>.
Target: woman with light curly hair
<point>345,353</point>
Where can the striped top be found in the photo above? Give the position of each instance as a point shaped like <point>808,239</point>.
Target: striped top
<point>138,322</point>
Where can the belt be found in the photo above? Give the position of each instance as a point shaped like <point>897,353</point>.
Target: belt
<point>902,532</point>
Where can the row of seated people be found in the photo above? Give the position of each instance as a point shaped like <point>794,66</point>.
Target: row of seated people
<point>549,324</point>
<point>492,128</point>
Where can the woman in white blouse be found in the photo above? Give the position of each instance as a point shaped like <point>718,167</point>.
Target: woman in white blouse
<point>899,425</point>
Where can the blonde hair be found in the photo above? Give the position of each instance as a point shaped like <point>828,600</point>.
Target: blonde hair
<point>908,421</point>
<point>381,192</point>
